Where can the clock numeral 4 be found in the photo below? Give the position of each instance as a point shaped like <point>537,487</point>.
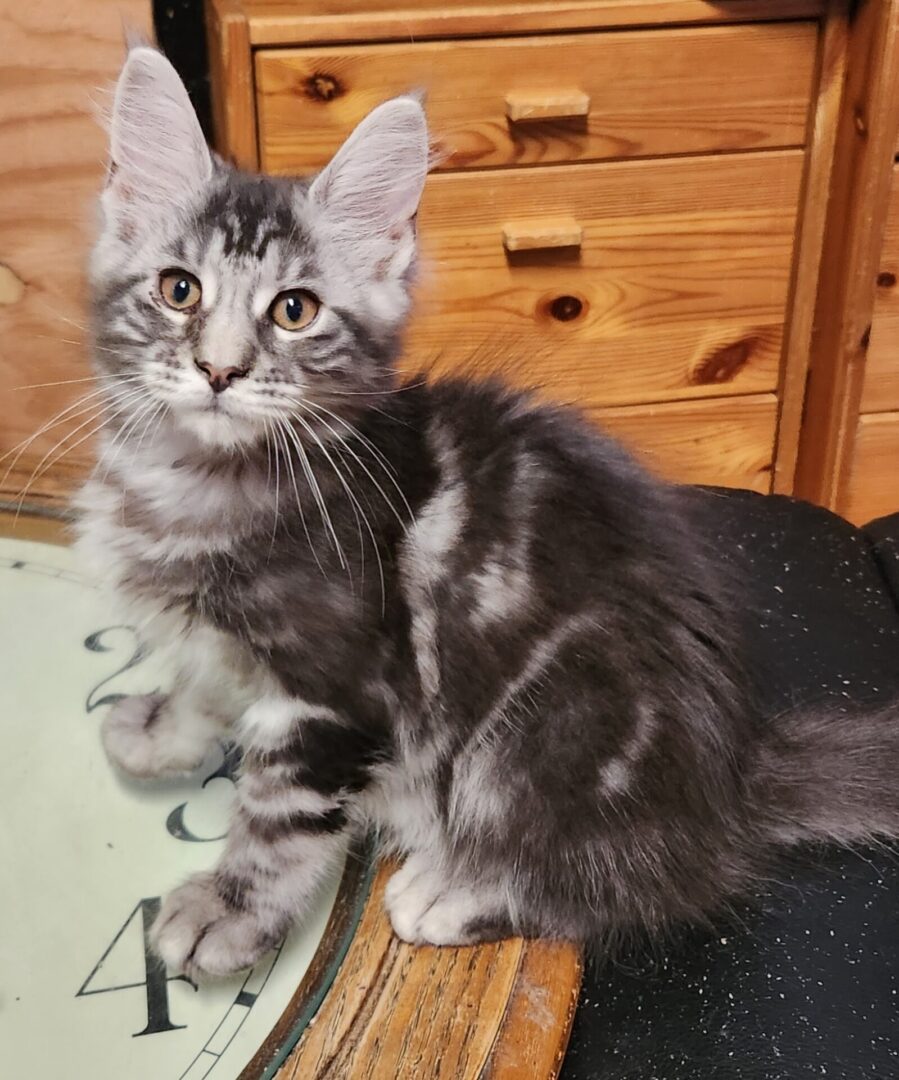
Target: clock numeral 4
<point>155,980</point>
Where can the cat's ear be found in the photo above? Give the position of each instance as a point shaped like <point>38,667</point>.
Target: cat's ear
<point>158,156</point>
<point>370,191</point>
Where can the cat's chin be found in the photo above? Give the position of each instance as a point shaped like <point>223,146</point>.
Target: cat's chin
<point>218,430</point>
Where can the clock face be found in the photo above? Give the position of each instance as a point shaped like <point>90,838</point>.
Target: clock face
<point>86,857</point>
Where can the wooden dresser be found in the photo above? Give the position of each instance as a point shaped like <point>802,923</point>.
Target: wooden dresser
<point>873,483</point>
<point>631,201</point>
<point>676,213</point>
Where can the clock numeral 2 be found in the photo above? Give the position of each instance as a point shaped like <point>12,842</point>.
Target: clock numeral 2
<point>95,642</point>
<point>155,978</point>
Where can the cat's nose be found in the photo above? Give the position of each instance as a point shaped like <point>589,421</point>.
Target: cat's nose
<point>220,378</point>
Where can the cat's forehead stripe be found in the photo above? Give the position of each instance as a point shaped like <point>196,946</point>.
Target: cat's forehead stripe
<point>250,213</point>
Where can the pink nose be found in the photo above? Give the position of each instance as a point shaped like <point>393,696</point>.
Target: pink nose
<point>220,378</point>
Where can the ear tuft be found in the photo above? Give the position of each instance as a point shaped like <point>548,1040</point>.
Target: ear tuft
<point>158,156</point>
<point>374,183</point>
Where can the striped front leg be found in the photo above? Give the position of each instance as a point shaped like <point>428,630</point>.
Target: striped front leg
<point>302,766</point>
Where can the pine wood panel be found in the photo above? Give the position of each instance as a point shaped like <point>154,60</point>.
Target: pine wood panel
<point>810,242</point>
<point>881,389</point>
<point>729,442</point>
<point>677,290</point>
<point>651,92</point>
<point>873,489</point>
<point>59,59</point>
<point>406,1012</point>
<point>288,22</point>
<point>232,83</point>
<point>857,210</point>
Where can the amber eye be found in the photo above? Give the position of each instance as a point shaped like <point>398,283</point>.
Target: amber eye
<point>294,310</point>
<point>179,289</point>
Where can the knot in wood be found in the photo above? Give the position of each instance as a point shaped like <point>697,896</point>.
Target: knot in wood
<point>321,87</point>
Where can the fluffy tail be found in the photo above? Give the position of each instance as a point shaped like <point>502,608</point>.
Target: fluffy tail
<point>825,774</point>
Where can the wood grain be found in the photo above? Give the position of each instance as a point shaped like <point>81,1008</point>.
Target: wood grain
<point>403,1012</point>
<point>678,289</point>
<point>284,22</point>
<point>728,442</point>
<point>873,488</point>
<point>856,215</point>
<point>12,287</point>
<point>232,83</point>
<point>810,242</point>
<point>881,389</point>
<point>43,528</point>
<point>60,60</point>
<point>652,92</point>
<point>543,1001</point>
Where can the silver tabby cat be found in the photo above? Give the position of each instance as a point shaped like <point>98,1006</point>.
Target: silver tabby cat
<point>439,609</point>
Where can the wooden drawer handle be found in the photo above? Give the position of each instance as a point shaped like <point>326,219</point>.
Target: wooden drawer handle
<point>524,105</point>
<point>546,233</point>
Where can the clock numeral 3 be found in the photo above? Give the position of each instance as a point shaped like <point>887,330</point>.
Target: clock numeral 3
<point>175,823</point>
<point>155,980</point>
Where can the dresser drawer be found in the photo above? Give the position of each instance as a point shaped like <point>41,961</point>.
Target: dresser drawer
<point>544,99</point>
<point>881,389</point>
<point>728,442</point>
<point>677,289</point>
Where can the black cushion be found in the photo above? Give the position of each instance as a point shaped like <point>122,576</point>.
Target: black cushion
<point>802,979</point>
<point>883,536</point>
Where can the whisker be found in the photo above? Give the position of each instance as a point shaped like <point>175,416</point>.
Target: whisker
<point>268,454</point>
<point>382,461</point>
<point>364,439</point>
<point>279,425</point>
<point>277,497</point>
<point>377,393</point>
<point>46,462</point>
<point>63,318</point>
<point>319,499</point>
<point>389,416</point>
<point>355,503</point>
<point>121,437</point>
<point>89,346</point>
<point>375,451</point>
<point>356,508</point>
<point>69,382</point>
<point>356,512</point>
<point>54,421</point>
<point>159,412</point>
<point>361,463</point>
<point>88,402</point>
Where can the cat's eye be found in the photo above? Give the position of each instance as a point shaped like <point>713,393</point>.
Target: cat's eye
<point>294,310</point>
<point>179,289</point>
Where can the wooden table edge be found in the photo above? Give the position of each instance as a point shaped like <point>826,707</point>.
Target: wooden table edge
<point>526,1037</point>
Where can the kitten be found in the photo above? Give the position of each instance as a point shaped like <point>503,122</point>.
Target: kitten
<point>465,618</point>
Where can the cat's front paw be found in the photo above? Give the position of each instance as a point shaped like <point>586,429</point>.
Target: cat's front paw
<point>142,739</point>
<point>197,933</point>
<point>441,920</point>
<point>426,909</point>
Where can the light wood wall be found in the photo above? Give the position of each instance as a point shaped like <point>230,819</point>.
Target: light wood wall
<point>60,58</point>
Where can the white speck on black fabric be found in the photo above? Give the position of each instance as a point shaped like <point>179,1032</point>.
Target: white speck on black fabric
<point>802,980</point>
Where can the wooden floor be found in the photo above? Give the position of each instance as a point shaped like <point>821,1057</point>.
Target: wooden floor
<point>47,529</point>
